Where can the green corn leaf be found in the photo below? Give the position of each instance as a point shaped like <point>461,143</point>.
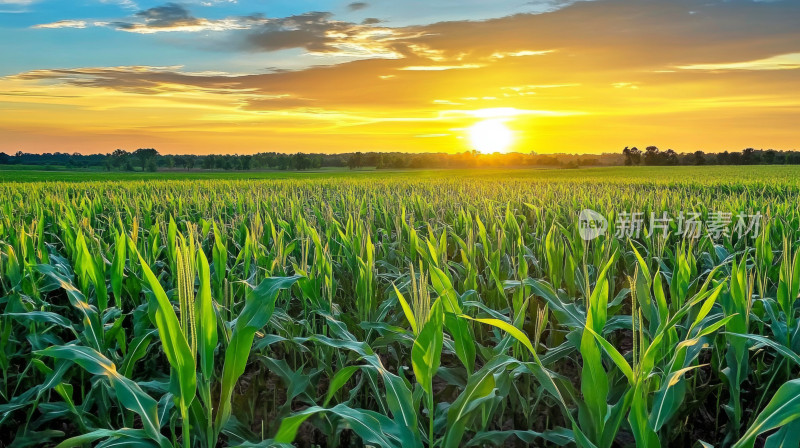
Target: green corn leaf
<point>173,341</point>
<point>427,350</point>
<point>126,437</point>
<point>406,310</point>
<point>206,318</point>
<point>93,330</point>
<point>782,409</point>
<point>257,311</point>
<point>373,428</point>
<point>340,378</point>
<point>118,268</point>
<point>129,394</point>
<point>615,356</point>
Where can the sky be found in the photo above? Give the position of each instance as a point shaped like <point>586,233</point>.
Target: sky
<point>248,76</point>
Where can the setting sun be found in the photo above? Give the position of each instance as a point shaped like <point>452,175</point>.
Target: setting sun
<point>490,136</point>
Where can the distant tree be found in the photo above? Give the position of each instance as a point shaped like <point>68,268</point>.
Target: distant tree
<point>152,166</point>
<point>669,157</point>
<point>370,159</point>
<point>749,156</point>
<point>301,162</point>
<point>209,162</point>
<point>636,156</point>
<point>189,163</point>
<point>220,162</point>
<point>627,154</point>
<point>632,156</point>
<point>769,156</point>
<point>4,159</point>
<point>355,160</point>
<point>699,158</point>
<point>652,156</point>
<point>119,158</point>
<point>282,161</point>
<point>246,162</point>
<point>398,161</point>
<point>145,155</point>
<point>545,160</point>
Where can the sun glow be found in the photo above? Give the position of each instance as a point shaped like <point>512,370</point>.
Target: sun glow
<point>489,136</point>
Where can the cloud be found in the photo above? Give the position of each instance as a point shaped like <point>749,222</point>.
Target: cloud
<point>137,79</point>
<point>789,61</point>
<point>438,68</point>
<point>356,6</point>
<point>127,4</point>
<point>319,33</point>
<point>16,6</point>
<point>167,15</point>
<point>517,54</point>
<point>63,24</point>
<point>173,17</point>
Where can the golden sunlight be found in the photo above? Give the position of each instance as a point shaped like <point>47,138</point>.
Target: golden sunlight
<point>489,136</point>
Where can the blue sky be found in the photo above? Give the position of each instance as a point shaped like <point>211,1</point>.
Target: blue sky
<point>28,48</point>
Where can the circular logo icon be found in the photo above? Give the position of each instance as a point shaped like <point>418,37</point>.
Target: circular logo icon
<point>591,224</point>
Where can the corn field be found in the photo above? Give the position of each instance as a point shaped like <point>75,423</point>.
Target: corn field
<point>403,311</point>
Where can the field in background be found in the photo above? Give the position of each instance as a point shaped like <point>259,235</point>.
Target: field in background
<point>400,309</point>
<point>783,174</point>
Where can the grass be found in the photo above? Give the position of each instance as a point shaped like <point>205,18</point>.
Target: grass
<point>437,308</point>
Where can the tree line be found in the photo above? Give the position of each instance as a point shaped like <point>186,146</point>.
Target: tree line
<point>149,159</point>
<point>655,157</point>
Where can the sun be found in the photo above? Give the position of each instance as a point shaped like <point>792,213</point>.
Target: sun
<point>489,136</point>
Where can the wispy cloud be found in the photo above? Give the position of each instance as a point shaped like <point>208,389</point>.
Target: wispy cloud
<point>15,6</point>
<point>356,6</point>
<point>63,24</point>
<point>127,4</point>
<point>438,68</point>
<point>520,53</point>
<point>789,61</point>
<point>173,17</point>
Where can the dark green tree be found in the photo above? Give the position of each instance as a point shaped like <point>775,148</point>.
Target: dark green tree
<point>145,155</point>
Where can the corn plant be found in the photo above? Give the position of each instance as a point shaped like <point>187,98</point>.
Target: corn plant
<point>401,310</point>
